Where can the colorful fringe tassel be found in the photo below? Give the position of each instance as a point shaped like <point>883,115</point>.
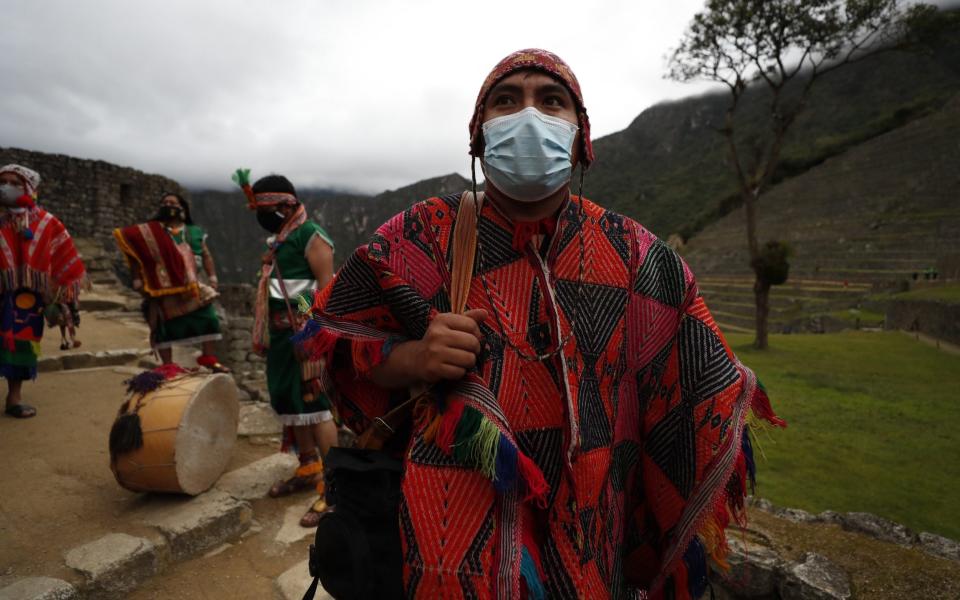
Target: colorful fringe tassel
<point>528,570</point>
<point>148,381</point>
<point>710,540</point>
<point>695,560</point>
<point>476,441</point>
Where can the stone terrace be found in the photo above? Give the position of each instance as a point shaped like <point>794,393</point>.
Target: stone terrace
<point>869,218</point>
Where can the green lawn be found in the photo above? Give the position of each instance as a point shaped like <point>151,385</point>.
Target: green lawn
<point>949,294</point>
<point>874,425</point>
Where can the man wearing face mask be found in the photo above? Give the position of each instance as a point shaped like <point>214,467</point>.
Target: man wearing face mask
<point>299,260</point>
<point>584,435</point>
<point>38,265</point>
<point>165,255</point>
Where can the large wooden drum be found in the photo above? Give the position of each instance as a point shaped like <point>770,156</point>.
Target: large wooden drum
<point>189,428</point>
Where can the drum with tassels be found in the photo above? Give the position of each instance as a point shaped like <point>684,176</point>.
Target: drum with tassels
<point>176,437</point>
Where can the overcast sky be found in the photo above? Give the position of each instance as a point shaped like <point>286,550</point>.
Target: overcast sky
<point>356,94</point>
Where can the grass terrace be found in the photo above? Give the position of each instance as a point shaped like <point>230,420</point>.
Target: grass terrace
<point>873,421</point>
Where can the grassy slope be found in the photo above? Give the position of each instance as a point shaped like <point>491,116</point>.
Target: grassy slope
<point>948,294</point>
<point>873,421</point>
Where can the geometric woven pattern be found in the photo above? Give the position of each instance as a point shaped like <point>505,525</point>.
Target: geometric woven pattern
<point>629,423</point>
<point>706,369</point>
<point>661,276</point>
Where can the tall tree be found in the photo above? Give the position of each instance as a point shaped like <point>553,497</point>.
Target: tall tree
<point>786,46</point>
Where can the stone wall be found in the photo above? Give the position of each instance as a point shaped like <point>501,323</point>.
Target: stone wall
<point>237,302</point>
<point>936,319</point>
<point>92,197</point>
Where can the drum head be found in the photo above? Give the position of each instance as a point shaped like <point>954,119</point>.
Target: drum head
<point>207,433</point>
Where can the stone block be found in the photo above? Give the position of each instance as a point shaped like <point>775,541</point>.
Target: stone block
<point>761,504</point>
<point>795,515</point>
<point>110,358</point>
<point>114,564</point>
<point>49,364</point>
<point>241,323</point>
<point>78,360</point>
<point>295,581</point>
<point>237,355</point>
<point>816,578</point>
<point>202,523</point>
<point>754,570</point>
<point>290,531</point>
<point>938,545</point>
<point>879,528</point>
<point>38,588</point>
<point>254,480</point>
<point>258,419</point>
<point>829,516</point>
<point>241,335</point>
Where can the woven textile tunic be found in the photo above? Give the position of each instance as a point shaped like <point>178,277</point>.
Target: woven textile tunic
<point>637,426</point>
<point>284,373</point>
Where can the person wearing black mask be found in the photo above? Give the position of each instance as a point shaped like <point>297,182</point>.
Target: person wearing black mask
<point>298,262</point>
<point>165,257</point>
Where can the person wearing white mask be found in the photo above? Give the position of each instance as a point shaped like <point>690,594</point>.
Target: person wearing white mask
<point>39,264</point>
<point>583,434</point>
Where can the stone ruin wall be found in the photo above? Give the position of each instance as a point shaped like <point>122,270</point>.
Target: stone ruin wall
<point>92,197</point>
<point>237,302</point>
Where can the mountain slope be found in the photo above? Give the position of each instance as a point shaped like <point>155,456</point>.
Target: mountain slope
<point>237,242</point>
<point>669,168</point>
<point>872,216</point>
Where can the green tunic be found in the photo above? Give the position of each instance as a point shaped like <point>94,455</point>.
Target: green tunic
<point>284,376</point>
<point>202,325</point>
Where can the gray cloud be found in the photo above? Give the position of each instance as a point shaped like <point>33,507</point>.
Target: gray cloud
<point>362,95</point>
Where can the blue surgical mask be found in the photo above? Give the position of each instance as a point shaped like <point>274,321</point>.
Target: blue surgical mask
<point>527,155</point>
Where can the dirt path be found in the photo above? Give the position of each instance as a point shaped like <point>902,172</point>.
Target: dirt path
<point>58,491</point>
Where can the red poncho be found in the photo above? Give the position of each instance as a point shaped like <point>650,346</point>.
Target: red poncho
<point>167,269</point>
<point>37,252</point>
<point>612,467</point>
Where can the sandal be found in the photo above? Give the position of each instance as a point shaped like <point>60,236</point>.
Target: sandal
<point>219,368</point>
<point>312,517</point>
<point>304,478</point>
<point>64,346</point>
<point>20,411</point>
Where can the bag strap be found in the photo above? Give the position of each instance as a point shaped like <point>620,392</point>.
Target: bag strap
<point>464,250</point>
<point>463,253</point>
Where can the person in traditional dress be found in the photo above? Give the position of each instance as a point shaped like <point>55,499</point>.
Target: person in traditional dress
<point>38,264</point>
<point>66,317</point>
<point>298,261</point>
<point>585,432</point>
<point>165,255</point>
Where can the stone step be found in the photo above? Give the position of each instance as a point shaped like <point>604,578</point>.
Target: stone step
<point>90,360</point>
<point>102,304</point>
<point>184,528</point>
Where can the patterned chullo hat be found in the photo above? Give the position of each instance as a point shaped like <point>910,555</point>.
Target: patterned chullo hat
<point>540,60</point>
